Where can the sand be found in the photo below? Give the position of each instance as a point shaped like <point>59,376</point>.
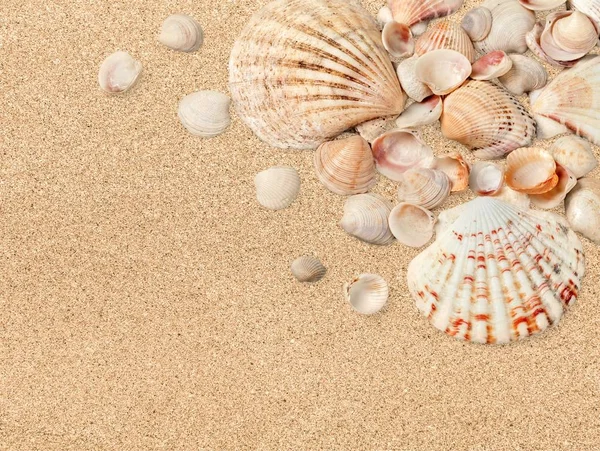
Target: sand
<point>146,300</point>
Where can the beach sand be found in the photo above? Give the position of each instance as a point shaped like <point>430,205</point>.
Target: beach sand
<point>145,296</point>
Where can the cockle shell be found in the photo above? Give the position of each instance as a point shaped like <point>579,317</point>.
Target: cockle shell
<point>119,72</point>
<point>582,207</point>
<point>367,293</point>
<point>590,8</point>
<point>399,150</point>
<point>541,5</point>
<point>397,39</point>
<point>575,154</point>
<point>477,23</point>
<point>486,179</point>
<point>277,187</point>
<point>525,75</point>
<point>487,119</point>
<point>205,113</point>
<point>510,23</point>
<point>345,166</point>
<point>303,71</point>
<point>531,170</point>
<point>411,12</point>
<point>181,32</point>
<point>456,168</point>
<point>412,225</point>
<point>420,114</point>
<point>425,187</point>
<point>414,88</point>
<point>366,218</point>
<point>498,274</point>
<point>573,99</point>
<point>443,70</point>
<point>307,269</point>
<point>555,197</point>
<point>448,36</point>
<point>568,36</point>
<point>490,66</point>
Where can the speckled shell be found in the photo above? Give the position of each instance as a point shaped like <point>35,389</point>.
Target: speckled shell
<point>446,35</point>
<point>307,269</point>
<point>487,119</point>
<point>411,12</point>
<point>498,274</point>
<point>303,71</point>
<point>573,99</point>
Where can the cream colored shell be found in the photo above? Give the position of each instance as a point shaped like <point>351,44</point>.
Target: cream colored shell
<point>119,72</point>
<point>205,113</point>
<point>277,187</point>
<point>181,32</point>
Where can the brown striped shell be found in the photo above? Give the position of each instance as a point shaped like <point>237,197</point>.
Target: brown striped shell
<point>446,35</point>
<point>303,71</point>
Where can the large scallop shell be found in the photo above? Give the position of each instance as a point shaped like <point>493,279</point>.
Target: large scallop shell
<point>181,32</point>
<point>575,154</point>
<point>307,269</point>
<point>366,218</point>
<point>205,113</point>
<point>303,71</point>
<point>447,36</point>
<point>367,293</point>
<point>582,207</point>
<point>411,12</point>
<point>573,99</point>
<point>487,119</point>
<point>498,274</point>
<point>277,187</point>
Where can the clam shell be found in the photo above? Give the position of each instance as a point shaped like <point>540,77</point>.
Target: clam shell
<point>525,75</point>
<point>490,66</point>
<point>590,8</point>
<point>412,225</point>
<point>575,154</point>
<point>303,71</point>
<point>420,114</point>
<point>366,218</point>
<point>541,5</point>
<point>568,36</point>
<point>486,179</point>
<point>425,187</point>
<point>307,269</point>
<point>573,99</point>
<point>448,36</point>
<point>397,39</point>
<point>119,72</point>
<point>582,207</point>
<point>205,113</point>
<point>533,40</point>
<point>277,187</point>
<point>443,70</point>
<point>455,168</point>
<point>498,274</point>
<point>345,166</point>
<point>411,12</point>
<point>555,197</point>
<point>367,293</point>
<point>399,150</point>
<point>531,170</point>
<point>477,23</point>
<point>487,119</point>
<point>181,32</point>
<point>414,88</point>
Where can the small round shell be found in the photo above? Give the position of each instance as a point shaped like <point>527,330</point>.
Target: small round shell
<point>490,66</point>
<point>366,218</point>
<point>397,40</point>
<point>399,150</point>
<point>477,23</point>
<point>308,269</point>
<point>531,170</point>
<point>525,75</point>
<point>367,293</point>
<point>443,70</point>
<point>456,168</point>
<point>205,113</point>
<point>486,179</point>
<point>575,154</point>
<point>119,72</point>
<point>277,187</point>
<point>425,187</point>
<point>181,32</point>
<point>412,225</point>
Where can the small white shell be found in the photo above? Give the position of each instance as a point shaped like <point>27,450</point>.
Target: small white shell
<point>277,187</point>
<point>425,187</point>
<point>119,72</point>
<point>420,114</point>
<point>443,70</point>
<point>205,113</point>
<point>181,32</point>
<point>412,225</point>
<point>486,179</point>
<point>367,293</point>
<point>575,154</point>
<point>414,88</point>
<point>307,269</point>
<point>399,150</point>
<point>384,15</point>
<point>366,218</point>
<point>525,75</point>
<point>582,207</point>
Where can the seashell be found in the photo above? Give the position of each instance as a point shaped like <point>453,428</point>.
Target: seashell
<point>205,113</point>
<point>411,225</point>
<point>399,150</point>
<point>425,187</point>
<point>568,36</point>
<point>421,113</point>
<point>582,207</point>
<point>525,75</point>
<point>477,23</point>
<point>573,99</point>
<point>510,23</point>
<point>397,39</point>
<point>181,32</point>
<point>498,274</point>
<point>345,166</point>
<point>443,70</point>
<point>384,15</point>
<point>414,88</point>
<point>308,269</point>
<point>372,130</point>
<point>455,168</point>
<point>590,8</point>
<point>575,154</point>
<point>490,66</point>
<point>486,179</point>
<point>533,40</point>
<point>531,170</point>
<point>487,119</point>
<point>412,12</point>
<point>119,72</point>
<point>554,197</point>
<point>541,5</point>
<point>419,28</point>
<point>367,293</point>
<point>277,187</point>
<point>510,196</point>
<point>366,218</point>
<point>446,36</point>
<point>303,71</point>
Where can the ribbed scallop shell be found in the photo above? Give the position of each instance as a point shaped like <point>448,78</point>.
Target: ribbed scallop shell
<point>487,119</point>
<point>573,99</point>
<point>410,12</point>
<point>477,23</point>
<point>277,187</point>
<point>366,218</point>
<point>345,166</point>
<point>590,8</point>
<point>367,293</point>
<point>425,187</point>
<point>303,71</point>
<point>307,269</point>
<point>575,154</point>
<point>446,35</point>
<point>181,32</point>
<point>498,274</point>
<point>525,75</point>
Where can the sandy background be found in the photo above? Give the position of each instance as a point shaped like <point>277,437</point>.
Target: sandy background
<point>145,296</point>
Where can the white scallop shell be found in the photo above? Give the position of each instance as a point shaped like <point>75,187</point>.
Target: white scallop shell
<point>119,72</point>
<point>205,113</point>
<point>366,218</point>
<point>307,269</point>
<point>181,32</point>
<point>412,225</point>
<point>277,187</point>
<point>498,274</point>
<point>575,154</point>
<point>367,293</point>
<point>582,207</point>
